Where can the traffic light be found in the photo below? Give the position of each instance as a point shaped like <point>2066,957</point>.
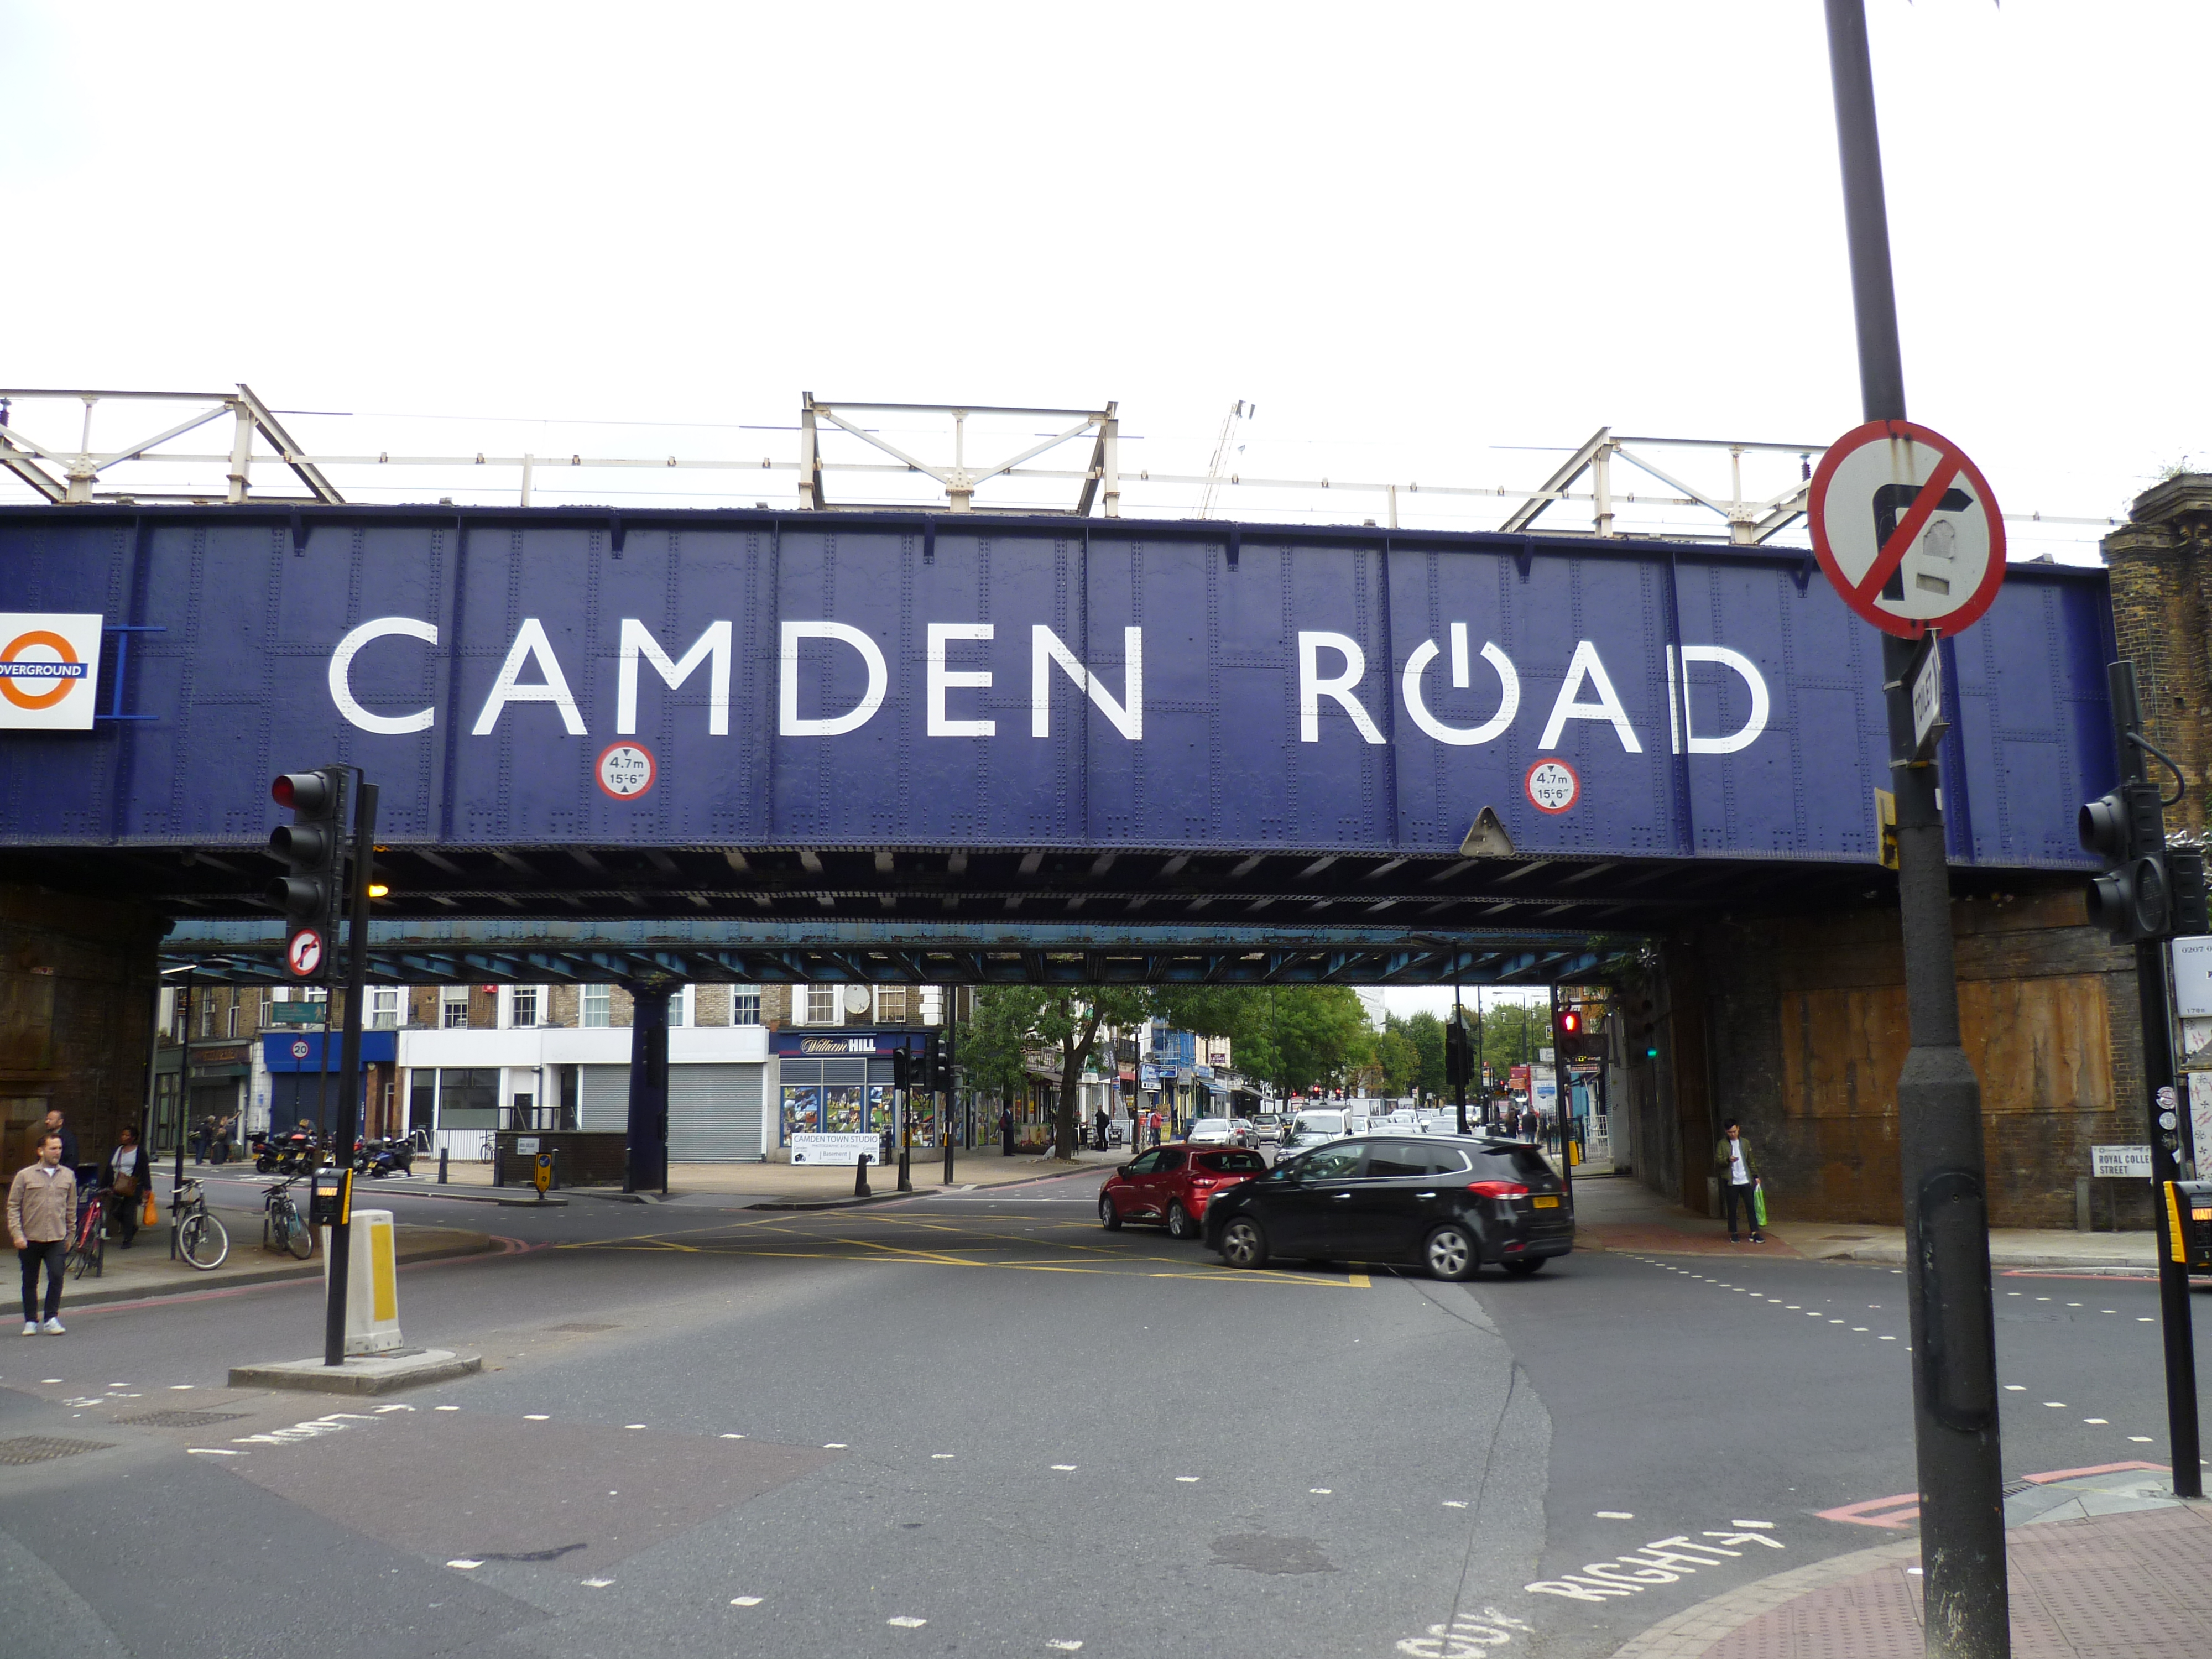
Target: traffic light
<point>313,848</point>
<point>2135,898</point>
<point>1459,1051</point>
<point>1570,1023</point>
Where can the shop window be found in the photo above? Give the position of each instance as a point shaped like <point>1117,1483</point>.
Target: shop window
<point>744,1004</point>
<point>454,1008</point>
<point>599,1005</point>
<point>468,1097</point>
<point>422,1101</point>
<point>822,1004</point>
<point>524,1005</point>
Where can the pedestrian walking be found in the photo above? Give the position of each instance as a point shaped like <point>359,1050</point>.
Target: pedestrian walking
<point>125,1178</point>
<point>1739,1172</point>
<point>203,1133</point>
<point>1099,1125</point>
<point>59,1125</point>
<point>1006,1130</point>
<point>1155,1127</point>
<point>41,1215</point>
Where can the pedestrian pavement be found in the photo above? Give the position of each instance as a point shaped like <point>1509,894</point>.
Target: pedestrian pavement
<point>147,1269</point>
<point>805,1183</point>
<point>2125,1585</point>
<point>1617,1213</point>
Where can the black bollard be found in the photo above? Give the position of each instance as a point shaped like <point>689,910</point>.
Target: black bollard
<point>441,1166</point>
<point>860,1176</point>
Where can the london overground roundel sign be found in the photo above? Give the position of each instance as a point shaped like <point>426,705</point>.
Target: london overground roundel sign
<point>1907,529</point>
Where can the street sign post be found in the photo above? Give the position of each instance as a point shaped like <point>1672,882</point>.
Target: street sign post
<point>1908,531</point>
<point>1925,680</point>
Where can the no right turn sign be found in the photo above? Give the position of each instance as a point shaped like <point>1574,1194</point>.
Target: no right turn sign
<point>1907,529</point>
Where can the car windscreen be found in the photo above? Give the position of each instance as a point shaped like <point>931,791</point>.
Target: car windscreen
<point>1210,1126</point>
<point>1328,1123</point>
<point>1230,1162</point>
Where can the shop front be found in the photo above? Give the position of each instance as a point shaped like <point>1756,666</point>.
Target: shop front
<point>303,1078</point>
<point>844,1082</point>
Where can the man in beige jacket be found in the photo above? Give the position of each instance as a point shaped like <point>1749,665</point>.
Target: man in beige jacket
<point>41,1215</point>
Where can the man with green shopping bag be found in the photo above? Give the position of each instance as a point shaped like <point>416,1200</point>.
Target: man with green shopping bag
<point>1739,1173</point>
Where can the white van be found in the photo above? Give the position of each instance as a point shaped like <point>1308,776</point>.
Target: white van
<point>1312,1128</point>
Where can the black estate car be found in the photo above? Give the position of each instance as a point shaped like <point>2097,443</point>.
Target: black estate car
<point>1450,1202</point>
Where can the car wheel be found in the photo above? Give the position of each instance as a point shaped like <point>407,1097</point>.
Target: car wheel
<point>1451,1253</point>
<point>1524,1265</point>
<point>1243,1244</point>
<point>1108,1217</point>
<point>1180,1226</point>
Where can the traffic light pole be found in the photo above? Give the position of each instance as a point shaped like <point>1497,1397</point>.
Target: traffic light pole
<point>1458,1085</point>
<point>1938,1100</point>
<point>2153,993</point>
<point>356,980</point>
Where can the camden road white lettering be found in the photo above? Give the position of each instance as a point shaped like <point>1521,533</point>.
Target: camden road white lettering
<point>1342,688</point>
<point>1508,698</point>
<point>789,724</point>
<point>1678,700</point>
<point>1585,668</point>
<point>712,647</point>
<point>1127,715</point>
<point>341,676</point>
<point>1466,1636</point>
<point>1663,1561</point>
<point>531,646</point>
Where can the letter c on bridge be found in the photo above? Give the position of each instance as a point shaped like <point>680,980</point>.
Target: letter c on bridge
<point>341,676</point>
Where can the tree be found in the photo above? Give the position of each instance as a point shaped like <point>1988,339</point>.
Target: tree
<point>1426,1033</point>
<point>1012,1020</point>
<point>1400,1059</point>
<point>1297,1036</point>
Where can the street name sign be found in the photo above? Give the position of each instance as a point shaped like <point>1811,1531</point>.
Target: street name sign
<point>2120,1162</point>
<point>1925,682</point>
<point>1907,529</point>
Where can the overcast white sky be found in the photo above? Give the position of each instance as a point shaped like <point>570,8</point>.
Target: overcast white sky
<point>1410,234</point>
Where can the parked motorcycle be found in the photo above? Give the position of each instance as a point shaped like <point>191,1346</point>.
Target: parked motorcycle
<point>286,1154</point>
<point>378,1158</point>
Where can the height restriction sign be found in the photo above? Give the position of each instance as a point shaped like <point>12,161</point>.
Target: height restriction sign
<point>1907,529</point>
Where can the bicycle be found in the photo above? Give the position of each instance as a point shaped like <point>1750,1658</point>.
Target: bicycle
<point>88,1250</point>
<point>282,1226</point>
<point>201,1240</point>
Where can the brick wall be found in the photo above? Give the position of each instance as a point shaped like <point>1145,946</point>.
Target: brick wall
<point>76,1009</point>
<point>2161,587</point>
<point>1806,1031</point>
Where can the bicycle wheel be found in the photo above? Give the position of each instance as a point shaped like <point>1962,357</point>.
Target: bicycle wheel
<point>300,1237</point>
<point>204,1241</point>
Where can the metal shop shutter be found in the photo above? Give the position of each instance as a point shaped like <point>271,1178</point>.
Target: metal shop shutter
<point>714,1114</point>
<point>606,1098</point>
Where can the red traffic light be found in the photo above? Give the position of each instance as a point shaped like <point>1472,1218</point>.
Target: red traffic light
<point>1570,1021</point>
<point>303,791</point>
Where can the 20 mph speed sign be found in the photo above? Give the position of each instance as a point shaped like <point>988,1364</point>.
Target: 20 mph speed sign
<point>1907,529</point>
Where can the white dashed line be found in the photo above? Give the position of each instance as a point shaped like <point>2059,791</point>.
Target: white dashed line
<point>2016,1387</point>
<point>2106,1420</point>
<point>1186,1480</point>
<point>1615,1515</point>
<point>834,1445</point>
<point>906,1621</point>
<point>1321,1492</point>
<point>733,1437</point>
<point>2055,1405</point>
<point>186,1388</point>
<point>1454,1503</point>
<point>537,1417</point>
<point>1064,1647</point>
<point>1889,1339</point>
<point>940,1457</point>
<point>445,1408</point>
<point>595,1583</point>
<point>633,1426</point>
<point>212,1451</point>
<point>1065,1469</point>
<point>1761,1525</point>
<point>745,1600</point>
<point>465,1566</point>
<point>2140,1439</point>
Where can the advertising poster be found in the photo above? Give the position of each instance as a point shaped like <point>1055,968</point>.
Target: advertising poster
<point>802,1110</point>
<point>882,1108</point>
<point>843,1106</point>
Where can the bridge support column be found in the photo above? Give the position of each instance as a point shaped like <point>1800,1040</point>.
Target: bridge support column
<point>648,1087</point>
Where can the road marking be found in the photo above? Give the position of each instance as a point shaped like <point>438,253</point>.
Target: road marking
<point>212,1451</point>
<point>465,1564</point>
<point>1065,1469</point>
<point>633,1426</point>
<point>186,1388</point>
<point>2059,1404</point>
<point>1186,1480</point>
<point>2106,1420</point>
<point>445,1408</point>
<point>1889,1339</point>
<point>1858,1330</point>
<point>1454,1503</point>
<point>745,1600</point>
<point>1321,1492</point>
<point>1360,1281</point>
<point>733,1437</point>
<point>2140,1439</point>
<point>834,1445</point>
<point>1762,1526</point>
<point>1893,1514</point>
<point>380,1410</point>
<point>1064,1647</point>
<point>537,1417</point>
<point>939,1456</point>
<point>2016,1387</point>
<point>907,1621</point>
<point>1615,1515</point>
<point>2145,1319</point>
<point>595,1583</point>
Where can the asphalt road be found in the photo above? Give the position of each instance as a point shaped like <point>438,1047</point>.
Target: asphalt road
<point>978,1424</point>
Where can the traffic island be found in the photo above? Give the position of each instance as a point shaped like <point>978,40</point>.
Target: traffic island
<point>376,1373</point>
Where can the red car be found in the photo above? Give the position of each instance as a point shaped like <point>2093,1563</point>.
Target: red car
<point>1174,1185</point>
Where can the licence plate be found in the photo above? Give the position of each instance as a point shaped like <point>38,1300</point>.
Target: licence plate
<point>1546,1203</point>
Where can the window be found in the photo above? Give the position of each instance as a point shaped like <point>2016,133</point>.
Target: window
<point>599,1005</point>
<point>230,1015</point>
<point>822,1004</point>
<point>744,1004</point>
<point>207,1013</point>
<point>1146,1164</point>
<point>679,1007</point>
<point>1340,1162</point>
<point>1388,1158</point>
<point>890,1004</point>
<point>454,1008</point>
<point>422,1101</point>
<point>468,1097</point>
<point>524,1008</point>
<point>384,1007</point>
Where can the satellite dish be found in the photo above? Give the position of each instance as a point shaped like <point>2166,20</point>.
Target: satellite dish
<point>1487,838</point>
<point>857,1000</point>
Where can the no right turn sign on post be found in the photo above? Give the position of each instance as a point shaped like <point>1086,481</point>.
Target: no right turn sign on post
<point>1907,529</point>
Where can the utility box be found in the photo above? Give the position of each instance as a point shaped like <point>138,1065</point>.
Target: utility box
<point>372,1285</point>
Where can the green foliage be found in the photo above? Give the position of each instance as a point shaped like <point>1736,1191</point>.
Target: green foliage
<point>1012,1021</point>
<point>1296,1036</point>
<point>1401,1060</point>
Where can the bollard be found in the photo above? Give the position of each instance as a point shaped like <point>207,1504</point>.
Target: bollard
<point>860,1176</point>
<point>441,1166</point>
<point>2085,1213</point>
<point>948,1158</point>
